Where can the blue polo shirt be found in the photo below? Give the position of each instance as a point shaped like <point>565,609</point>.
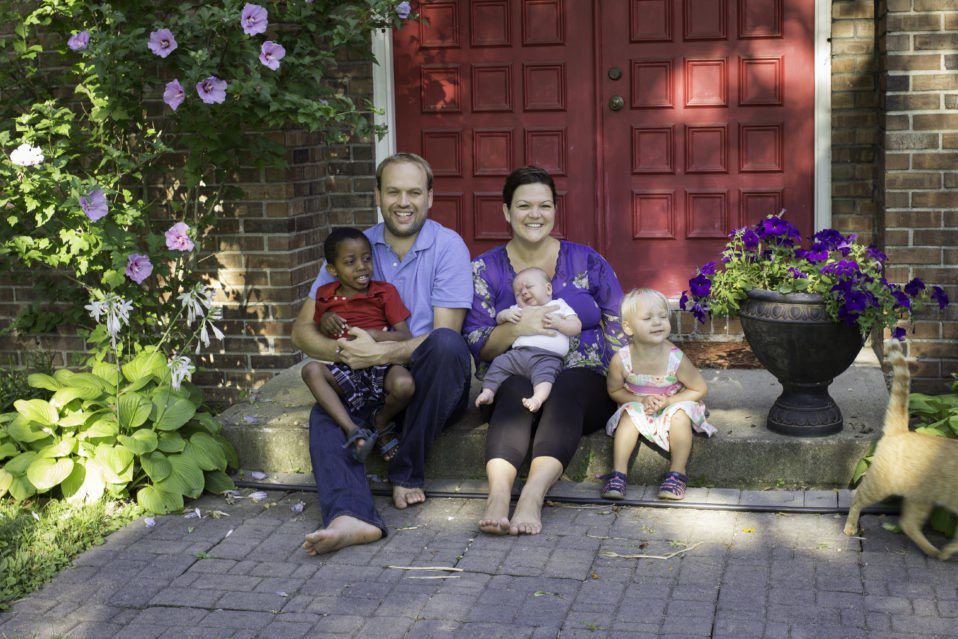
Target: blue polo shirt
<point>435,272</point>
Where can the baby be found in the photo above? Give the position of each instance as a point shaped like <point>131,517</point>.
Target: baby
<point>538,357</point>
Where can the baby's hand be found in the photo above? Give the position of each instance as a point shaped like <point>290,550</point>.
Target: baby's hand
<point>332,325</point>
<point>512,315</point>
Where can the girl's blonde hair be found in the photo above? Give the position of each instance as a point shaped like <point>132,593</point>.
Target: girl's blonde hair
<point>630,303</point>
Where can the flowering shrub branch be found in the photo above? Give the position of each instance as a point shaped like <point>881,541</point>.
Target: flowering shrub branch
<point>848,275</point>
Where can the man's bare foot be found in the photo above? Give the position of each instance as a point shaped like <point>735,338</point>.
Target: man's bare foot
<point>495,518</point>
<point>341,532</point>
<point>532,403</point>
<point>403,497</point>
<point>527,518</point>
<point>485,397</point>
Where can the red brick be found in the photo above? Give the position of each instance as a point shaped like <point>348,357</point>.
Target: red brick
<point>914,22</point>
<point>897,6</point>
<point>938,237</point>
<point>951,21</point>
<point>911,219</point>
<point>935,82</point>
<point>853,9</point>
<point>931,199</point>
<point>918,62</point>
<point>934,121</point>
<point>951,180</point>
<point>895,161</point>
<point>949,140</point>
<point>911,180</point>
<point>934,5</point>
<point>936,41</point>
<point>911,141</point>
<point>934,160</point>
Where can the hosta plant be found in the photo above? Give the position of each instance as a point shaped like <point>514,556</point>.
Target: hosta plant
<point>121,431</point>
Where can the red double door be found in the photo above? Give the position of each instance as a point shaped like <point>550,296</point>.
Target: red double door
<point>664,122</point>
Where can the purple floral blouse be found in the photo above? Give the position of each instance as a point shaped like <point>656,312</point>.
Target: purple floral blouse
<point>583,279</point>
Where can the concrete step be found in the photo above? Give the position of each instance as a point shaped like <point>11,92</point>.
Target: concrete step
<point>270,432</point>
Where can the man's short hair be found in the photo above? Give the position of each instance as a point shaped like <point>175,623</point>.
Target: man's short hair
<point>398,158</point>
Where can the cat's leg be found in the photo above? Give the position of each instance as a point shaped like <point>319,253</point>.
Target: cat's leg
<point>914,512</point>
<point>860,499</point>
<point>949,550</point>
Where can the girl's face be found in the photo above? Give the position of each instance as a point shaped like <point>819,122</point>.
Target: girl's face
<point>648,323</point>
<point>352,266</point>
<point>532,213</point>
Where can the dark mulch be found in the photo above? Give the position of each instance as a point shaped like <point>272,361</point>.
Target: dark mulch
<point>720,354</point>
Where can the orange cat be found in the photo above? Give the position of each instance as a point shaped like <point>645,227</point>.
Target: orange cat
<point>923,469</point>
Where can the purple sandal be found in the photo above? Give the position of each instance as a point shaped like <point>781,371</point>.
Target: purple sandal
<point>673,486</point>
<point>614,485</point>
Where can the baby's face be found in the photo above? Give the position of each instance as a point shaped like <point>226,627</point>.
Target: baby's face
<point>532,289</point>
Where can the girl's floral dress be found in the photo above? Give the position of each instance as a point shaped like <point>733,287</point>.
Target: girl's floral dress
<point>655,427</point>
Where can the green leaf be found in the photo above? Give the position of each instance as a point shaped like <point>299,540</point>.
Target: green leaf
<point>63,375</point>
<point>115,460</point>
<point>208,422</point>
<point>232,459</point>
<point>186,477</point>
<point>47,473</point>
<point>85,483</point>
<point>37,410</point>
<point>944,521</point>
<point>105,426</point>
<point>8,449</point>
<point>156,466</point>
<point>171,443</point>
<point>206,452</point>
<point>19,464</point>
<point>21,488</point>
<point>22,431</point>
<point>5,480</point>
<point>73,419</point>
<point>134,410</point>
<point>144,365</point>
<point>141,442</point>
<point>159,501</point>
<point>107,372</point>
<point>890,527</point>
<point>60,448</point>
<point>218,482</point>
<point>172,415</point>
<point>41,380</point>
<point>89,386</point>
<point>66,395</point>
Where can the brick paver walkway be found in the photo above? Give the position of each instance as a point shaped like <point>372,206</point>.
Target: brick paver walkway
<point>748,575</point>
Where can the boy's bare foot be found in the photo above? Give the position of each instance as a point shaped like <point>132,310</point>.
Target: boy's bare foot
<point>527,518</point>
<point>341,532</point>
<point>485,397</point>
<point>403,497</point>
<point>495,518</point>
<point>532,403</point>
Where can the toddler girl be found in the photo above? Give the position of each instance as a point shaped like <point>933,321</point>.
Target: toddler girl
<point>658,390</point>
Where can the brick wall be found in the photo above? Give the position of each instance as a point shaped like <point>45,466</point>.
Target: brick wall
<point>921,177</point>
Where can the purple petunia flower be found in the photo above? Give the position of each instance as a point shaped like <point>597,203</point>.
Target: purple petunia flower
<point>174,94</point>
<point>901,300</point>
<point>684,300</point>
<point>700,286</point>
<point>876,254</point>
<point>914,287</point>
<point>708,269</point>
<point>212,90</point>
<point>271,53</point>
<point>79,41</point>
<point>797,274</point>
<point>750,239</point>
<point>138,267</point>
<point>94,204</point>
<point>699,312</point>
<point>845,246</point>
<point>938,294</point>
<point>778,231</point>
<point>403,10</point>
<point>829,239</point>
<point>898,333</point>
<point>177,238</point>
<point>162,42</point>
<point>253,19</point>
<point>817,253</point>
<point>842,269</point>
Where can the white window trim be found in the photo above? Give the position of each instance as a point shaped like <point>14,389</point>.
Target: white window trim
<point>384,99</point>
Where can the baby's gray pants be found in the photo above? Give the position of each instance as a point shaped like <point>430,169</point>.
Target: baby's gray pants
<point>538,364</point>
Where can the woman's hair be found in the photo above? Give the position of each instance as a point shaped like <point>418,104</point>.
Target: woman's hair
<point>337,237</point>
<point>526,175</point>
<point>630,303</point>
<point>398,158</point>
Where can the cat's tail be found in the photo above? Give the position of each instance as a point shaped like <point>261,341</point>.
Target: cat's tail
<point>896,417</point>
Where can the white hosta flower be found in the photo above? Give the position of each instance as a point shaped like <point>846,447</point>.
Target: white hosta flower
<point>117,311</point>
<point>214,315</point>
<point>26,155</point>
<point>196,301</point>
<point>181,368</point>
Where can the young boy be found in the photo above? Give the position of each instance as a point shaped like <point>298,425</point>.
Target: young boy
<point>538,357</point>
<point>356,300</point>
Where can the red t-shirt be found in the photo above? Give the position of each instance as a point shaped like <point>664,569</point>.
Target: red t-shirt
<point>378,309</point>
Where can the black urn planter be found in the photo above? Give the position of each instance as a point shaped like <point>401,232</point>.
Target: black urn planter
<point>805,349</point>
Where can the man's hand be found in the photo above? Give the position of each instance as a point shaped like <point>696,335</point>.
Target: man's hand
<point>362,351</point>
<point>532,321</point>
<point>332,325</point>
<point>509,315</point>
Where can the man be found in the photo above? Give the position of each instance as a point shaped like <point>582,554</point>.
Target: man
<point>429,265</point>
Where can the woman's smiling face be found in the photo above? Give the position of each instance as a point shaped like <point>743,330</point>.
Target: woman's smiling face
<point>532,214</point>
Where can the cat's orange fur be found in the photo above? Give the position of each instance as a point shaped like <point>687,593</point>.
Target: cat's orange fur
<point>922,469</point>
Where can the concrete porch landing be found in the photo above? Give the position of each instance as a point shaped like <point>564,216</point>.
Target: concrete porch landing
<point>270,434</point>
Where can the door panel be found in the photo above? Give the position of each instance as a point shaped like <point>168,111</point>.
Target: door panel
<point>491,85</point>
<point>664,122</point>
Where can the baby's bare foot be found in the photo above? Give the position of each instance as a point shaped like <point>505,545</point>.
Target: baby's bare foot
<point>485,397</point>
<point>532,403</point>
<point>403,497</point>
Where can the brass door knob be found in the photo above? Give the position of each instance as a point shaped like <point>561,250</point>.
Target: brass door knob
<point>616,103</point>
<point>615,73</point>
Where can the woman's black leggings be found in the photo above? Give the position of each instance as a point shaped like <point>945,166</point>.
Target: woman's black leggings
<point>578,405</point>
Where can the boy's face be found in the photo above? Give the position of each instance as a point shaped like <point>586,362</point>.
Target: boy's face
<point>532,289</point>
<point>353,265</point>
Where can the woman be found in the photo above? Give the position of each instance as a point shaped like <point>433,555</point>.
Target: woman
<point>579,403</point>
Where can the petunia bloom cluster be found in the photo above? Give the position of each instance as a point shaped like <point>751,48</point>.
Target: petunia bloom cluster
<point>848,275</point>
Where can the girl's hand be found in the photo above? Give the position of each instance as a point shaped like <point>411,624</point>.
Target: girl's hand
<point>332,325</point>
<point>653,403</point>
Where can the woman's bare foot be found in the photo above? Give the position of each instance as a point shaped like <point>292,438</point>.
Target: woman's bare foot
<point>495,518</point>
<point>527,518</point>
<point>485,397</point>
<point>341,532</point>
<point>403,497</point>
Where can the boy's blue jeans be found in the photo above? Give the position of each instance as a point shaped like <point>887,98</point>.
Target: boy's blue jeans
<point>441,368</point>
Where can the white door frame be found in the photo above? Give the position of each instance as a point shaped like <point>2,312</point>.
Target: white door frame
<point>384,99</point>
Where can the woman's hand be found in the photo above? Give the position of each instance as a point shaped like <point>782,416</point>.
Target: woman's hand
<point>332,325</point>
